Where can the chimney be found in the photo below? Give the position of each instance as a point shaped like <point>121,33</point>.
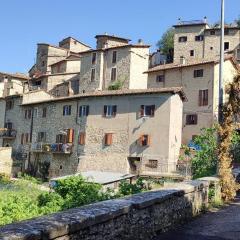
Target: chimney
<point>205,19</point>
<point>182,60</point>
<point>140,41</point>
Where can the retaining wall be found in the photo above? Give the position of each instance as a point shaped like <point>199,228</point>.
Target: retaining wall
<point>140,216</point>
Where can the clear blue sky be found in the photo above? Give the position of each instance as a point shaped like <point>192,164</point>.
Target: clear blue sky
<point>24,23</point>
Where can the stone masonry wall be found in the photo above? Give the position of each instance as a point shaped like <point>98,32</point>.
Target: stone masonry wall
<point>140,216</point>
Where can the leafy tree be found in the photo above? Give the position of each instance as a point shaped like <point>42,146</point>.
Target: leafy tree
<point>166,44</point>
<point>204,162</point>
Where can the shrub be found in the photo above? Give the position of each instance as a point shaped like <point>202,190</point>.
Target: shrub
<point>4,178</point>
<point>116,85</point>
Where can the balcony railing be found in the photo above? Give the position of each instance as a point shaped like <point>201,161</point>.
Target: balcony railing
<point>64,148</point>
<point>8,133</point>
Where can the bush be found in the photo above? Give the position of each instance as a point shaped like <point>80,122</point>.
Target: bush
<point>126,188</point>
<point>4,178</point>
<point>116,86</point>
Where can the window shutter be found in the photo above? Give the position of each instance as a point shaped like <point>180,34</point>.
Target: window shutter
<point>108,139</point>
<point>148,140</point>
<point>206,97</point>
<point>22,138</point>
<point>87,110</point>
<point>82,138</point>
<point>114,110</point>
<point>140,140</point>
<point>200,98</point>
<point>142,111</point>
<point>152,110</point>
<point>26,137</point>
<point>69,109</point>
<point>26,112</point>
<point>105,111</point>
<point>64,110</point>
<point>70,134</point>
<point>29,113</point>
<point>196,119</point>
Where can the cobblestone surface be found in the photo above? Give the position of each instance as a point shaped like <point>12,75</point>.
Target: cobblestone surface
<point>215,225</point>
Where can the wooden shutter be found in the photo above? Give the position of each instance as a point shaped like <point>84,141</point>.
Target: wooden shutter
<point>142,111</point>
<point>80,111</point>
<point>64,110</point>
<point>200,98</point>
<point>87,110</point>
<point>26,138</point>
<point>108,139</point>
<point>152,110</point>
<point>70,135</point>
<point>105,110</point>
<point>206,97</point>
<point>140,140</point>
<point>29,113</point>
<point>114,110</point>
<point>26,113</point>
<point>82,137</point>
<point>148,140</point>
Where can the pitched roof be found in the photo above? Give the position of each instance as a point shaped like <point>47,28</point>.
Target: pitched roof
<point>74,40</point>
<point>21,76</point>
<point>189,64</point>
<point>126,92</point>
<point>113,37</point>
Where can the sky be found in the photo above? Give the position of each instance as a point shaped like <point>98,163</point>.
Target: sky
<point>24,23</point>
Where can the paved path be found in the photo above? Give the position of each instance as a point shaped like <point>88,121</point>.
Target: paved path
<point>223,224</point>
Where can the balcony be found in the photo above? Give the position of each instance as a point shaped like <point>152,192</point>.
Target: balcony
<point>8,133</point>
<point>55,148</point>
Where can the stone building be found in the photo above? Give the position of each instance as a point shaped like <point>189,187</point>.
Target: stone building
<point>199,80</point>
<point>195,40</point>
<point>119,131</point>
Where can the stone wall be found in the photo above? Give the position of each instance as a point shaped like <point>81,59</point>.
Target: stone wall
<point>6,160</point>
<point>140,216</point>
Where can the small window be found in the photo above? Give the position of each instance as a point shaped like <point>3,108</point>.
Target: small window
<point>44,112</point>
<point>182,39</point>
<point>94,57</point>
<point>199,38</point>
<point>160,78</point>
<point>41,137</point>
<point>60,167</point>
<point>83,111</point>
<point>93,75</point>
<point>108,139</point>
<point>198,73</point>
<point>110,110</point>
<point>113,74</point>
<point>191,119</point>
<point>152,163</point>
<point>61,138</point>
<point>9,104</point>
<point>114,57</point>
<point>67,110</point>
<point>8,125</point>
<point>212,32</point>
<point>203,97</point>
<point>192,53</point>
<point>147,110</point>
<point>82,137</point>
<point>211,48</point>
<point>28,113</point>
<point>43,63</point>
<point>226,46</point>
<point>144,140</point>
<point>226,31</point>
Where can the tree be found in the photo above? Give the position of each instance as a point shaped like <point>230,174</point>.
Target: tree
<point>166,44</point>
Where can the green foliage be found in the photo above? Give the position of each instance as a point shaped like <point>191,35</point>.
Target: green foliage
<point>4,178</point>
<point>29,178</point>
<point>126,188</point>
<point>117,85</point>
<point>204,162</point>
<point>166,43</point>
<point>236,147</point>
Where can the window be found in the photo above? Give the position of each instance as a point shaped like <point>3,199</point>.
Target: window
<point>25,138</point>
<point>61,138</point>
<point>94,57</point>
<point>35,112</point>
<point>182,39</point>
<point>211,48</point>
<point>44,112</point>
<point>152,163</point>
<point>147,110</point>
<point>198,73</point>
<point>28,113</point>
<point>108,139</point>
<point>83,111</point>
<point>199,38</point>
<point>192,53</point>
<point>212,32</point>
<point>160,78</point>
<point>110,110</point>
<point>82,137</point>
<point>75,86</point>
<point>144,140</point>
<point>93,75</point>
<point>113,74</point>
<point>191,119</point>
<point>238,54</point>
<point>8,125</point>
<point>67,110</point>
<point>226,46</point>
<point>41,137</point>
<point>66,137</point>
<point>9,104</point>
<point>114,57</point>
<point>226,31</point>
<point>203,97</point>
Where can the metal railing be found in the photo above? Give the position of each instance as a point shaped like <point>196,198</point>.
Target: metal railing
<point>65,148</point>
<point>8,133</point>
